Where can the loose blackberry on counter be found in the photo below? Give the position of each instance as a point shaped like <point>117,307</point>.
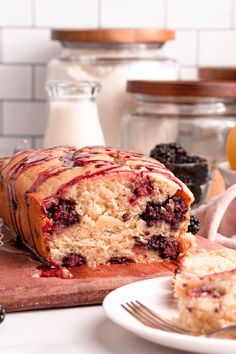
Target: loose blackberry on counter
<point>2,313</point>
<point>190,169</point>
<point>194,225</point>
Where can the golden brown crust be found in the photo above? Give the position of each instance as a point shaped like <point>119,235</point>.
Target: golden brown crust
<point>32,176</point>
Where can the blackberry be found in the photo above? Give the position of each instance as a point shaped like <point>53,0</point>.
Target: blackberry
<point>167,153</point>
<point>191,174</point>
<point>120,260</point>
<point>190,169</point>
<point>189,159</point>
<point>2,313</point>
<point>194,225</point>
<point>142,190</point>
<point>172,211</point>
<point>125,217</point>
<point>62,212</point>
<point>165,247</point>
<point>73,260</point>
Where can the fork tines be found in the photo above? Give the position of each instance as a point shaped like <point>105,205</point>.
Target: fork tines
<point>150,318</point>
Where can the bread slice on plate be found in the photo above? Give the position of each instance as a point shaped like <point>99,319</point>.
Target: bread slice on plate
<point>205,287</point>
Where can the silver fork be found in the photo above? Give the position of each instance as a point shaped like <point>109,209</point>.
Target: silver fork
<point>152,319</point>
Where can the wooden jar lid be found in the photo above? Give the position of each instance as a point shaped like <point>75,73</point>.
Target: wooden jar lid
<point>183,88</point>
<point>218,74</point>
<point>116,36</point>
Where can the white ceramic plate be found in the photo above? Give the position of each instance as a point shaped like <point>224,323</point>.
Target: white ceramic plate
<point>157,294</point>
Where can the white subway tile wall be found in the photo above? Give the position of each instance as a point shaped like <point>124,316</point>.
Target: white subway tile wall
<point>16,13</point>
<point>31,45</point>
<point>15,82</point>
<point>184,47</point>
<point>205,35</point>
<point>217,48</point>
<point>188,73</point>
<point>8,144</point>
<point>24,118</point>
<point>40,77</point>
<point>199,14</point>
<point>66,13</point>
<point>1,117</point>
<point>133,13</point>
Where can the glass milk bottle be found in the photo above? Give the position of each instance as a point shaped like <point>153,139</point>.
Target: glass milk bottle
<point>73,115</point>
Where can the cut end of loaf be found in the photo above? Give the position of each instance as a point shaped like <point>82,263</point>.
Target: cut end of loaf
<point>96,205</point>
<point>116,219</point>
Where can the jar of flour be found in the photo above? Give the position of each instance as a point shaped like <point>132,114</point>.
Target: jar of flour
<point>111,57</point>
<point>200,114</point>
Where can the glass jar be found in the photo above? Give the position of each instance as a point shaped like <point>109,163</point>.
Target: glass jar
<point>73,116</point>
<point>197,115</point>
<point>112,57</point>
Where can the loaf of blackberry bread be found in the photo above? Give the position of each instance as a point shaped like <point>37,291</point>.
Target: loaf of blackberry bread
<point>205,288</point>
<point>96,205</point>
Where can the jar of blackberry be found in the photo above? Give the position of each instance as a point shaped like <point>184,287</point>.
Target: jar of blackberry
<point>195,171</point>
<point>198,115</point>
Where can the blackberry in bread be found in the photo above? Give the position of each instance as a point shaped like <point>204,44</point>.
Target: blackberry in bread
<point>96,205</point>
<point>205,288</point>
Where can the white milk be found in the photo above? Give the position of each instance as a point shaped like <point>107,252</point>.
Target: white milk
<point>73,123</point>
<point>73,115</point>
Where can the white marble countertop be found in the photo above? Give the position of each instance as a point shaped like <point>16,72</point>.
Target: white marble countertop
<point>81,330</point>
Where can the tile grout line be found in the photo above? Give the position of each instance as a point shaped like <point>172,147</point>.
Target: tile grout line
<point>213,29</point>
<point>33,88</point>
<point>198,49</point>
<point>189,66</point>
<point>166,7</point>
<point>1,43</point>
<point>99,13</point>
<point>33,142</point>
<point>33,14</point>
<point>35,28</point>
<point>232,14</point>
<point>13,136</point>
<point>2,112</point>
<point>20,64</point>
<point>2,118</point>
<point>23,100</point>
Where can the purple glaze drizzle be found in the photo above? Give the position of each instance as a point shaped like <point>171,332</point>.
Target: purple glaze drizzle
<point>72,158</point>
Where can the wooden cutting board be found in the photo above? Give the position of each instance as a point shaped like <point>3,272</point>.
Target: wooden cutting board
<point>21,289</point>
